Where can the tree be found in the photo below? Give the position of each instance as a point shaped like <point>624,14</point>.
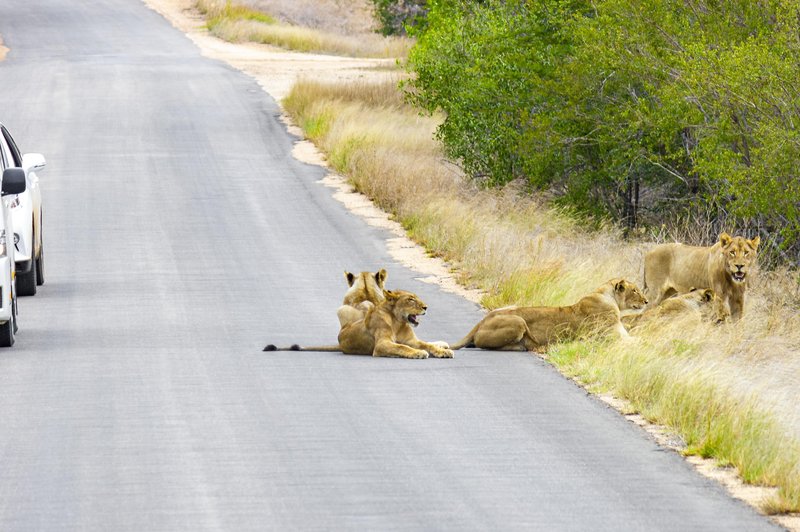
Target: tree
<point>396,15</point>
<point>641,110</point>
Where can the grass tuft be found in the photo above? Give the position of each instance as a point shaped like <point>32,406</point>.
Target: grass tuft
<point>237,23</point>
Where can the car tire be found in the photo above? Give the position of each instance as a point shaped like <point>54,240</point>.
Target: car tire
<point>39,266</point>
<point>39,263</point>
<point>27,282</point>
<point>7,331</point>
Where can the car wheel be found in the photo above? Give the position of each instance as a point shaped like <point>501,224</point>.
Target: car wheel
<point>27,282</point>
<point>39,262</point>
<point>39,266</point>
<point>7,331</point>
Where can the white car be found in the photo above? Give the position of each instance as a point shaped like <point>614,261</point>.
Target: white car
<point>26,210</point>
<point>13,184</point>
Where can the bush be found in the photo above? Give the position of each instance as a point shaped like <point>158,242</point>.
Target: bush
<point>646,111</point>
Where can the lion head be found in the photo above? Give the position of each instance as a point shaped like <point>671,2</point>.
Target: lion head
<point>738,254</point>
<point>701,296</point>
<point>366,286</point>
<point>628,295</point>
<point>406,307</point>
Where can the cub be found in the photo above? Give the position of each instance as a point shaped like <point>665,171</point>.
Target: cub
<point>691,308</point>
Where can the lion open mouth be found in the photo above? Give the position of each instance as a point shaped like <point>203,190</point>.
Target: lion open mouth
<point>412,319</point>
<point>738,277</point>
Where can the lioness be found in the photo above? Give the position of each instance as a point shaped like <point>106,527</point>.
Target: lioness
<point>366,290</point>
<point>532,328</point>
<point>723,267</point>
<point>385,331</point>
<point>693,306</point>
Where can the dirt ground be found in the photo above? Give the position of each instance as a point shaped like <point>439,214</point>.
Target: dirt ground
<point>277,70</point>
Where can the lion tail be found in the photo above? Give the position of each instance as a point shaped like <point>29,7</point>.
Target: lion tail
<point>295,347</point>
<point>467,341</point>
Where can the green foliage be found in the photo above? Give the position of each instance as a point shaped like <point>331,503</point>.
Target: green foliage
<point>396,16</point>
<point>638,110</point>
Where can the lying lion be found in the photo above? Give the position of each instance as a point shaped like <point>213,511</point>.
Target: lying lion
<point>385,331</point>
<point>366,290</point>
<point>691,308</point>
<point>723,267</point>
<point>532,328</point>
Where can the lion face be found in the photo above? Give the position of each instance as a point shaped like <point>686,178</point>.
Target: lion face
<point>629,296</point>
<point>407,307</point>
<point>738,254</point>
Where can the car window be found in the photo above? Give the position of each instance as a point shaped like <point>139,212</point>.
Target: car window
<point>13,158</point>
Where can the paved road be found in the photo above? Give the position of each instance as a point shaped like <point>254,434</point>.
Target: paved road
<point>180,237</point>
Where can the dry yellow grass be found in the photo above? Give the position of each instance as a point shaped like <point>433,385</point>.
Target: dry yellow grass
<point>729,390</point>
<point>238,23</point>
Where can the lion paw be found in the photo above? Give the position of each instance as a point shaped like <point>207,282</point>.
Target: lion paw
<point>443,353</point>
<point>442,344</point>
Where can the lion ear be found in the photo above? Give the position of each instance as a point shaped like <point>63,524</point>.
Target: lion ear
<point>350,278</point>
<point>725,239</point>
<point>755,242</point>
<point>391,295</point>
<point>380,277</point>
<point>708,295</point>
<point>619,286</point>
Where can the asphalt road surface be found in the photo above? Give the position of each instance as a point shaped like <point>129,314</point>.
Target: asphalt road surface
<point>181,236</point>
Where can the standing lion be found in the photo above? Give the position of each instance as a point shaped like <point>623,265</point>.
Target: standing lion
<point>671,269</point>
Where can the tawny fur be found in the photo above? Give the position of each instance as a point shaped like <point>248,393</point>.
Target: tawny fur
<point>724,268</point>
<point>532,328</point>
<point>366,290</point>
<point>691,308</point>
<point>385,331</point>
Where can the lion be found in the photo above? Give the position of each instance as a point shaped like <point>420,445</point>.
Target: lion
<point>385,331</point>
<point>366,290</point>
<point>675,269</point>
<point>533,328</point>
<point>690,308</point>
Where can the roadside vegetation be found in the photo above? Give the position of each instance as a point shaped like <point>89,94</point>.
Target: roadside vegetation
<point>649,113</point>
<point>235,22</point>
<point>729,390</point>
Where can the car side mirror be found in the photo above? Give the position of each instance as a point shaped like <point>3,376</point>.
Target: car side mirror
<point>33,161</point>
<point>13,181</point>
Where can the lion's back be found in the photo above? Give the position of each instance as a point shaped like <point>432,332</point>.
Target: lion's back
<point>676,266</point>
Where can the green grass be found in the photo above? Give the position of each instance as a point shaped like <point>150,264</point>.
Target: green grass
<point>669,384</point>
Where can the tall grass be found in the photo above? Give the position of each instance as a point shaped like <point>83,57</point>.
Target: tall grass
<point>237,23</point>
<point>730,391</point>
